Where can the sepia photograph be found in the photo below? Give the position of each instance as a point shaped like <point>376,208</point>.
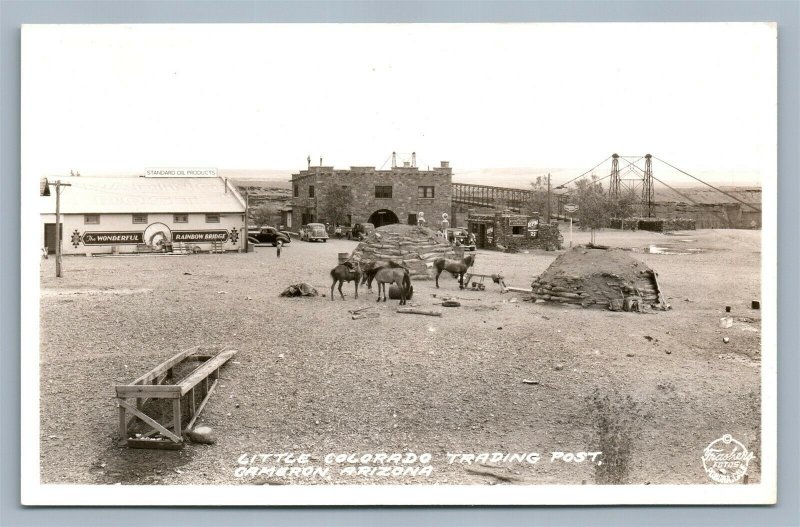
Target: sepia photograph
<point>399,264</point>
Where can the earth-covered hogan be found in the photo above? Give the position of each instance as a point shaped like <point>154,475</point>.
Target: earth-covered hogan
<point>414,247</point>
<point>593,277</point>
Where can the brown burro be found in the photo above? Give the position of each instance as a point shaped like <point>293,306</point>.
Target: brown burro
<point>457,268</point>
<point>346,272</point>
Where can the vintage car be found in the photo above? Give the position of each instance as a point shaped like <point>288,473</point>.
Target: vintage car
<point>267,235</point>
<point>360,231</point>
<point>460,237</point>
<point>314,231</point>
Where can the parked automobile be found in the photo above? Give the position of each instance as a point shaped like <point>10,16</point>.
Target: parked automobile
<point>267,235</point>
<point>461,237</point>
<point>314,231</point>
<point>361,231</point>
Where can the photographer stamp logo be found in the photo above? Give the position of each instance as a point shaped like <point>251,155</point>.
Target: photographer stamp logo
<point>726,460</point>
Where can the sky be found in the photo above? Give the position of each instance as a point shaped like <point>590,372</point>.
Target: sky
<point>114,99</point>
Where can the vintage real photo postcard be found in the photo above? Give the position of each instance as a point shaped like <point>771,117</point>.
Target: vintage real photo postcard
<point>399,264</point>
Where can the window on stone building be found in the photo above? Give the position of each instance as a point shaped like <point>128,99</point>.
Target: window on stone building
<point>91,219</point>
<point>425,192</point>
<point>517,230</point>
<point>212,218</point>
<point>383,191</point>
<point>296,190</point>
<point>140,218</point>
<point>311,191</point>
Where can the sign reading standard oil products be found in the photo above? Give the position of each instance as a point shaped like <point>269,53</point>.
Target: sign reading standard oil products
<point>199,236</point>
<point>180,172</point>
<point>112,238</point>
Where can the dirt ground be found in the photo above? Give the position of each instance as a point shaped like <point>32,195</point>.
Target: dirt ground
<point>309,379</point>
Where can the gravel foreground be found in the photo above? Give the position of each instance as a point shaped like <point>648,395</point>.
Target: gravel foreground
<point>497,374</point>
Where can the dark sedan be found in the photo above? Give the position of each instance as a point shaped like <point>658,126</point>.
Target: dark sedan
<point>268,235</point>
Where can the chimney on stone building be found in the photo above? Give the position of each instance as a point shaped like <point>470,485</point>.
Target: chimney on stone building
<point>413,159</point>
<point>394,159</point>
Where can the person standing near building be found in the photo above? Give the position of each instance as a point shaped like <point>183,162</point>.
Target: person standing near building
<point>279,245</point>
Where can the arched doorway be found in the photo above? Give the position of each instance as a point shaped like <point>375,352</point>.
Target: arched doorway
<point>383,217</point>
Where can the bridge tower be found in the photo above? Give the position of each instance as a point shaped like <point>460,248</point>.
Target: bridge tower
<point>613,189</point>
<point>648,191</point>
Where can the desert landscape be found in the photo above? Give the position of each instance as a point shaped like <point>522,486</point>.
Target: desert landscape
<point>500,373</point>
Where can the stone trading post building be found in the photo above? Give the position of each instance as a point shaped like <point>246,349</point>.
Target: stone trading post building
<point>380,197</point>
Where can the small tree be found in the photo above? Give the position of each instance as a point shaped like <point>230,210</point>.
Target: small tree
<point>337,203</point>
<point>539,201</point>
<point>263,214</point>
<point>596,207</point>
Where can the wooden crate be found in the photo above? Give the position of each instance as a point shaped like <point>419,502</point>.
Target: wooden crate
<point>160,386</point>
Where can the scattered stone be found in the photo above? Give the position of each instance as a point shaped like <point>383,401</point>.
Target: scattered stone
<point>529,381</point>
<point>187,274</point>
<point>629,354</point>
<point>755,304</point>
<point>726,340</point>
<point>203,435</point>
<point>669,352</point>
<point>649,338</point>
<point>558,367</point>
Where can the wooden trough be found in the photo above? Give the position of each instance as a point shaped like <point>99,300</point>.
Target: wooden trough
<point>161,401</point>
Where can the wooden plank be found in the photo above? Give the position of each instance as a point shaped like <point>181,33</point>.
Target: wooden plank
<point>123,426</point>
<point>155,444</point>
<point>164,366</point>
<point>202,404</point>
<point>149,420</point>
<point>412,311</point>
<point>205,370</point>
<point>193,404</point>
<point>517,290</point>
<point>163,391</point>
<point>176,416</point>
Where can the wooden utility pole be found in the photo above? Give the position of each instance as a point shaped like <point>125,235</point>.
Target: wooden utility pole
<point>246,220</point>
<point>548,198</point>
<point>58,185</point>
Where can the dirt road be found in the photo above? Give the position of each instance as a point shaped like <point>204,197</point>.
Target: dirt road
<point>308,378</point>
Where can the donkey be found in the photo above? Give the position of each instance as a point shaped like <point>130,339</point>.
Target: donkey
<point>394,275</point>
<point>455,267</point>
<point>371,268</point>
<point>346,273</point>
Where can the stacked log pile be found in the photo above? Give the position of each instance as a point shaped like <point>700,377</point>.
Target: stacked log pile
<point>609,279</point>
<point>412,246</point>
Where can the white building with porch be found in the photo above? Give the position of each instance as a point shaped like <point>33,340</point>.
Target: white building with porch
<point>143,214</point>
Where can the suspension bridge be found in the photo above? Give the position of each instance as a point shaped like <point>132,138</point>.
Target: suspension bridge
<point>627,175</point>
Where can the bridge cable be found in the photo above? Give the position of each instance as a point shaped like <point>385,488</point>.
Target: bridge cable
<point>709,185</point>
<point>584,174</point>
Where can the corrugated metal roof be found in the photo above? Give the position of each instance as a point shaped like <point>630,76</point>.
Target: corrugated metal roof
<point>98,195</point>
